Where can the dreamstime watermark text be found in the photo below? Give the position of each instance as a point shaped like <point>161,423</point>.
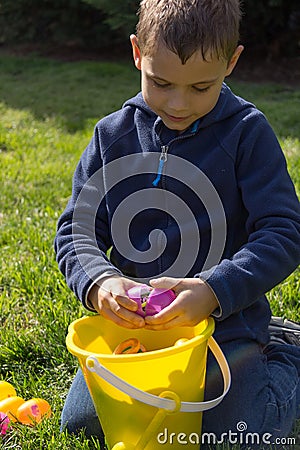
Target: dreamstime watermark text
<point>238,436</point>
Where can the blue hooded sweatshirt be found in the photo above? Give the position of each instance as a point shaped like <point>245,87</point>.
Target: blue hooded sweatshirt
<point>215,201</point>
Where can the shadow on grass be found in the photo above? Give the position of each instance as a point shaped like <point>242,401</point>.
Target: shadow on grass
<point>78,93</point>
<point>73,93</point>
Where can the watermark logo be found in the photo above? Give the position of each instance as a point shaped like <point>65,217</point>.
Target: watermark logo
<point>240,436</point>
<point>125,169</point>
<point>241,426</point>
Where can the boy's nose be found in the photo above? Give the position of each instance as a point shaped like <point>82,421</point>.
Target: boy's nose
<point>178,103</point>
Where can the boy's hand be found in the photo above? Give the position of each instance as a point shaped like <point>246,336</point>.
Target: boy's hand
<point>109,299</point>
<point>195,301</point>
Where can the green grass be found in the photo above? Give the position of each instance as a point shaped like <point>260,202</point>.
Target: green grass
<point>48,110</point>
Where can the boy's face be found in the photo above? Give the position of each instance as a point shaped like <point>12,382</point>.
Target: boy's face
<point>181,93</point>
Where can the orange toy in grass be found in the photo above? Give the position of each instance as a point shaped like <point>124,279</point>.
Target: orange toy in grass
<point>10,405</point>
<point>33,411</point>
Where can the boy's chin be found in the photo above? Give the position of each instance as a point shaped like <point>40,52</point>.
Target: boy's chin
<point>179,125</point>
<point>176,127</point>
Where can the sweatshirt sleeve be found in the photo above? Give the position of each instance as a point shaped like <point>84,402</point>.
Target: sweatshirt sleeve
<point>82,237</point>
<point>272,251</point>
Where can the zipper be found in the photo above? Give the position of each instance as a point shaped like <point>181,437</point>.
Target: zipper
<point>164,150</point>
<point>162,159</point>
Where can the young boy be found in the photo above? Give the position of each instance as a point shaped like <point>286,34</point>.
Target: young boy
<point>188,188</point>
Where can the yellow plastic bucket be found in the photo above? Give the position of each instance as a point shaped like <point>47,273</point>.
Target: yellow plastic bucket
<point>147,400</point>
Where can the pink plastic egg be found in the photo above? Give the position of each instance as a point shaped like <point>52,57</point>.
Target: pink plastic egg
<point>150,301</point>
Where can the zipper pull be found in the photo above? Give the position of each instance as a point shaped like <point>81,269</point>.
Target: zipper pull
<point>162,159</point>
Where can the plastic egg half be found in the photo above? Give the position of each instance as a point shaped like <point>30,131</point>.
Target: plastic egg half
<point>123,446</point>
<point>10,405</point>
<point>6,390</point>
<point>33,411</point>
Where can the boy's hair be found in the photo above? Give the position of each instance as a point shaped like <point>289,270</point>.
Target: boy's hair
<point>186,26</point>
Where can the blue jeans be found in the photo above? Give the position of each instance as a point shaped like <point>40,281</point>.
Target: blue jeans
<point>260,408</point>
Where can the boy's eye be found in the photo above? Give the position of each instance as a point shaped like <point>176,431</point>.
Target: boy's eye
<point>201,90</point>
<point>160,84</point>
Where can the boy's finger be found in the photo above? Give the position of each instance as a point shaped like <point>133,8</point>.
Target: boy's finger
<point>165,283</point>
<point>120,321</point>
<point>125,314</point>
<point>175,322</point>
<point>125,301</point>
<point>165,315</point>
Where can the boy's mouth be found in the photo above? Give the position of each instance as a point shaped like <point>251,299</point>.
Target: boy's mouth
<point>176,118</point>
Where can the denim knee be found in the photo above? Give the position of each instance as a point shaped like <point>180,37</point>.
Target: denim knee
<point>264,395</point>
<point>79,412</point>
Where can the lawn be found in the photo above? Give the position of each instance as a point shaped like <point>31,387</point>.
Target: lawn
<point>48,109</point>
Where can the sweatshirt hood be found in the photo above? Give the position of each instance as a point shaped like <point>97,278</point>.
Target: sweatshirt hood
<point>227,105</point>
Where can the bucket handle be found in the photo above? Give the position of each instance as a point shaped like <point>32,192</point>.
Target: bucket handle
<point>93,365</point>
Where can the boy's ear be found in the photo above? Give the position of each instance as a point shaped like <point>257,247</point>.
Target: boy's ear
<point>136,51</point>
<point>234,59</point>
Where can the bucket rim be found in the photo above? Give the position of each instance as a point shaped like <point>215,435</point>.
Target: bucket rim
<point>152,354</point>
